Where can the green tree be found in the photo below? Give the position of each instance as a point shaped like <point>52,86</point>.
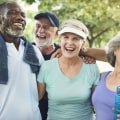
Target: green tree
<point>101,16</point>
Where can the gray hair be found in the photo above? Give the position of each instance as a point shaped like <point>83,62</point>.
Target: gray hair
<point>112,45</point>
<point>5,5</point>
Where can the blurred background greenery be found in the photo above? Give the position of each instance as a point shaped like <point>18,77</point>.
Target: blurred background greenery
<point>102,17</point>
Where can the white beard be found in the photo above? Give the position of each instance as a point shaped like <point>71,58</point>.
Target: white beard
<point>44,43</point>
<point>14,33</point>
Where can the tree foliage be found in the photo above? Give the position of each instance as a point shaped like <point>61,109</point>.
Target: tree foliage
<point>101,16</point>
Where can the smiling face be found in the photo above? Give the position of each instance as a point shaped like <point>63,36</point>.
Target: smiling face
<point>45,33</point>
<point>71,44</point>
<point>13,22</point>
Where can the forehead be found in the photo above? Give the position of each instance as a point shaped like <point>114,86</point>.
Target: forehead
<point>43,21</point>
<point>12,6</point>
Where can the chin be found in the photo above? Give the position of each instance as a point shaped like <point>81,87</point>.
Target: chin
<point>14,33</point>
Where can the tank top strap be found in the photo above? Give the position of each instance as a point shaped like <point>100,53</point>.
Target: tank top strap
<point>105,74</point>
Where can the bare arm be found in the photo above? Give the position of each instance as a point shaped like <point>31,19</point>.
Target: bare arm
<point>41,90</point>
<point>98,54</point>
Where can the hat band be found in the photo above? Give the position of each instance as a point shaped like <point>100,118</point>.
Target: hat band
<point>73,30</point>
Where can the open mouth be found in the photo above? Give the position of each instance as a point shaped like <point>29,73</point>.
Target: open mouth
<point>41,36</point>
<point>70,49</point>
<point>18,25</point>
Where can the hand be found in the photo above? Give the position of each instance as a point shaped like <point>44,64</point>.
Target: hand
<point>57,54</point>
<point>89,60</point>
<point>84,49</point>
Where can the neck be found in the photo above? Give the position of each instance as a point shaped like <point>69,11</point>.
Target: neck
<point>117,67</point>
<point>116,71</point>
<point>9,39</point>
<point>47,50</point>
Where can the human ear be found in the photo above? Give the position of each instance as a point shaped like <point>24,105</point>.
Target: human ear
<point>83,45</point>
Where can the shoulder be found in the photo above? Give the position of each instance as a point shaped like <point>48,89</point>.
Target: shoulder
<point>56,46</point>
<point>91,66</point>
<point>104,74</point>
<point>38,54</point>
<point>50,62</point>
<point>91,69</point>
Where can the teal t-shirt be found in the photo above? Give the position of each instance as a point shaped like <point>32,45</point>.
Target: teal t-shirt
<point>68,99</point>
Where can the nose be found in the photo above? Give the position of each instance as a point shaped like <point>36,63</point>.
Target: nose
<point>70,41</point>
<point>21,17</point>
<point>41,29</point>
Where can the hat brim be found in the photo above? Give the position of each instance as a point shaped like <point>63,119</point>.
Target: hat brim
<point>73,30</point>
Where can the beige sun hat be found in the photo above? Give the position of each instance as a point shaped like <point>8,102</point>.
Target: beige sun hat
<point>74,26</point>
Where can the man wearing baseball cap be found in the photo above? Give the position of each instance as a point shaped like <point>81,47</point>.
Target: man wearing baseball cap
<point>45,33</point>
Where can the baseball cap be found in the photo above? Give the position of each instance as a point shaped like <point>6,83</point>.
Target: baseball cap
<point>52,18</point>
<point>74,26</point>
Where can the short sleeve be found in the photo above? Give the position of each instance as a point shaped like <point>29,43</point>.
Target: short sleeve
<point>41,74</point>
<point>96,74</point>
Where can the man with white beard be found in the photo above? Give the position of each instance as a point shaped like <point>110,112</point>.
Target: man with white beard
<point>46,29</point>
<point>46,32</point>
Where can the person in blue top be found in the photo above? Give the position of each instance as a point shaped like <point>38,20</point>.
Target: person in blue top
<point>68,80</point>
<point>104,96</point>
<point>46,31</point>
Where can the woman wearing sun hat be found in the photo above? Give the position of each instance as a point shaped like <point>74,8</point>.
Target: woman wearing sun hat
<point>68,80</point>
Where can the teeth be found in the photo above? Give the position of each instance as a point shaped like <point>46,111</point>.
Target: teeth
<point>41,35</point>
<point>18,24</point>
<point>38,34</point>
<point>69,48</point>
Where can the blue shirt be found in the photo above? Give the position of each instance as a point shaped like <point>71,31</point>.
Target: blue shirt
<point>103,100</point>
<point>68,99</point>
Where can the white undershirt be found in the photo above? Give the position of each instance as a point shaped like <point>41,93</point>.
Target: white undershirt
<point>19,98</point>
